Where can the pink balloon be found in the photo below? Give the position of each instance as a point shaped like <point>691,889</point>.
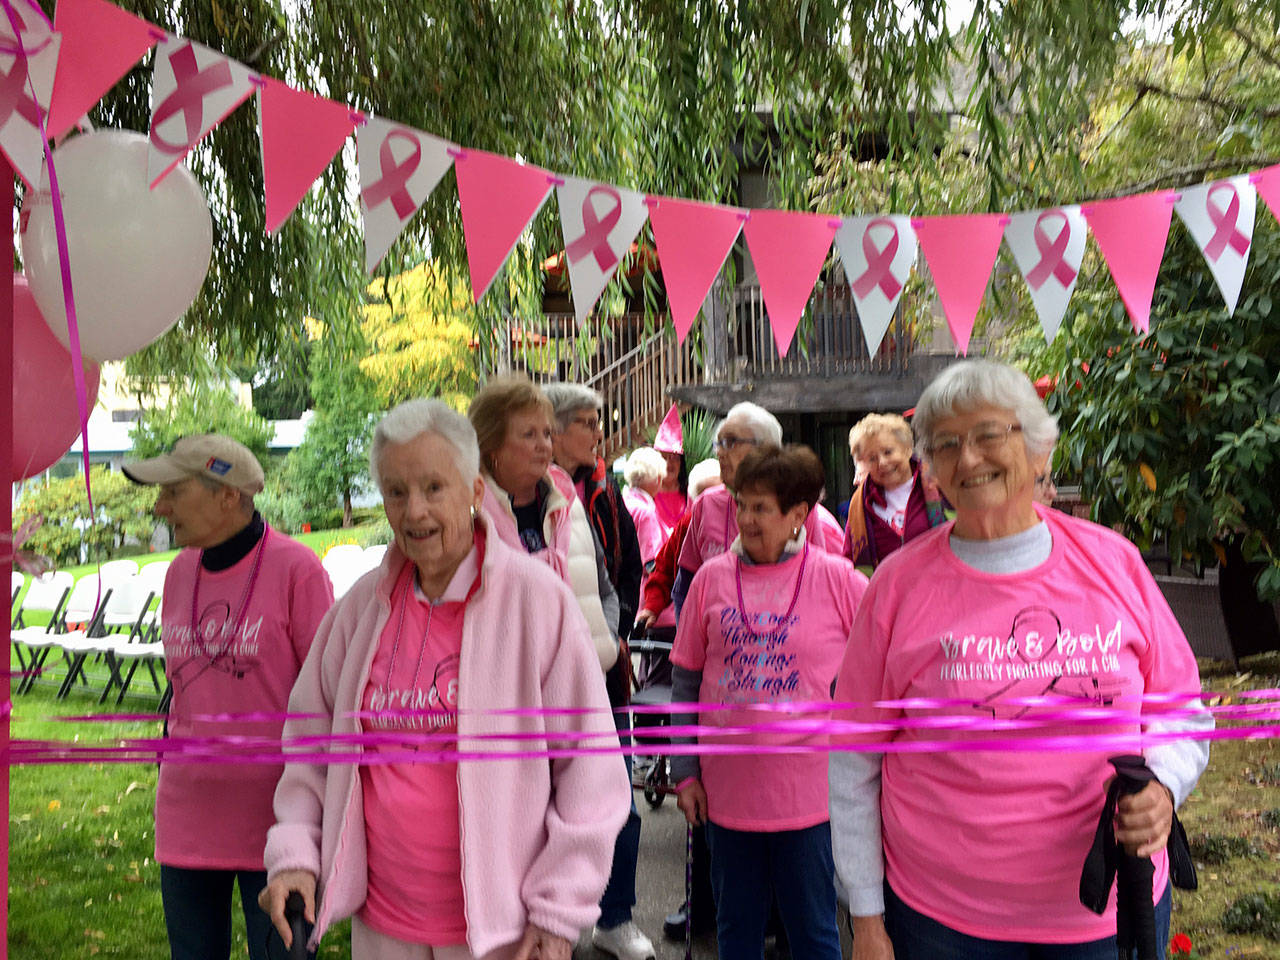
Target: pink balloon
<point>46,417</point>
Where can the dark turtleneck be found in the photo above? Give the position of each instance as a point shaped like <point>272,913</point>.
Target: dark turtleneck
<point>235,548</point>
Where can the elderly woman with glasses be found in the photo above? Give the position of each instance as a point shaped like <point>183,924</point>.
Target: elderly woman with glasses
<point>713,517</point>
<point>766,623</point>
<point>457,644</point>
<point>978,853</point>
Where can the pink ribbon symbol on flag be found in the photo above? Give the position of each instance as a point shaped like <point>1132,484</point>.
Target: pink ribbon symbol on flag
<point>595,231</point>
<point>193,85</point>
<point>13,94</point>
<point>879,270</point>
<point>1052,252</point>
<point>1224,223</point>
<point>395,176</point>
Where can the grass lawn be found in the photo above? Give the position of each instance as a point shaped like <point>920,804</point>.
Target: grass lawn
<point>82,881</point>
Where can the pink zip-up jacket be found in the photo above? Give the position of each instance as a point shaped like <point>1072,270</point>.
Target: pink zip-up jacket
<point>537,835</point>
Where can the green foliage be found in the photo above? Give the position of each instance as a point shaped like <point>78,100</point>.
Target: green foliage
<point>1257,913</point>
<point>332,463</point>
<point>199,409</point>
<point>699,433</point>
<point>122,511</point>
<point>419,339</point>
<point>1218,848</point>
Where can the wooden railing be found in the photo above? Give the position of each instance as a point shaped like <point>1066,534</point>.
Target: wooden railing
<point>631,368</point>
<point>742,347</point>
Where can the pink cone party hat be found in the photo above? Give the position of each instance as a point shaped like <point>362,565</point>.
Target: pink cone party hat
<point>670,437</point>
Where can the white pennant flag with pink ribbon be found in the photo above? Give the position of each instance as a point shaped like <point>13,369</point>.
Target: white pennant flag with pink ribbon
<point>1048,246</point>
<point>1219,216</point>
<point>878,253</point>
<point>28,62</point>
<point>399,167</point>
<point>599,222</point>
<point>193,89</point>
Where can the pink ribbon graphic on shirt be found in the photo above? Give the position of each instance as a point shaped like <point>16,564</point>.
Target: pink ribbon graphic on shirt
<point>193,85</point>
<point>1052,252</point>
<point>595,231</point>
<point>879,272</point>
<point>395,175</point>
<point>1224,223</point>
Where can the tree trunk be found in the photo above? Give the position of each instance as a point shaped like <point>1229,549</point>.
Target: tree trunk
<point>346,508</point>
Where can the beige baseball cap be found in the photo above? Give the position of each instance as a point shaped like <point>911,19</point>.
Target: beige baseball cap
<point>208,455</point>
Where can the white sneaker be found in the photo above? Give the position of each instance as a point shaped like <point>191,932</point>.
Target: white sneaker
<point>624,941</point>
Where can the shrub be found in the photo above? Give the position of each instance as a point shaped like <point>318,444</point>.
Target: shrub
<point>1219,848</point>
<point>122,514</point>
<point>1256,913</point>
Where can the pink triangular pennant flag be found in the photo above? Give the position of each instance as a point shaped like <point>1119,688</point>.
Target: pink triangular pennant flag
<point>300,135</point>
<point>960,251</point>
<point>193,89</point>
<point>100,42</point>
<point>1131,232</point>
<point>498,197</point>
<point>1267,183</point>
<point>788,250</point>
<point>1219,216</point>
<point>693,240</point>
<point>878,254</point>
<point>399,167</point>
<point>1048,246</point>
<point>26,83</point>
<point>598,223</point>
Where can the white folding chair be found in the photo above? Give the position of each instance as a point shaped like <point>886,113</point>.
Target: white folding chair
<point>82,619</point>
<point>374,554</point>
<point>116,571</point>
<point>123,620</point>
<point>16,580</point>
<point>46,594</point>
<point>153,576</point>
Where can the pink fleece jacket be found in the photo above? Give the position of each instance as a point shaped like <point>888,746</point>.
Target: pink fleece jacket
<point>537,836</point>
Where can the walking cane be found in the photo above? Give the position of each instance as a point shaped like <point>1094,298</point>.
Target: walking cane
<point>688,894</point>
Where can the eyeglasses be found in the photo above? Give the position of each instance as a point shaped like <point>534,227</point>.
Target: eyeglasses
<point>732,443</point>
<point>589,423</point>
<point>987,437</point>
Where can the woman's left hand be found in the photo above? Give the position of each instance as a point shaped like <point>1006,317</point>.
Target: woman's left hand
<point>1143,819</point>
<point>538,944</point>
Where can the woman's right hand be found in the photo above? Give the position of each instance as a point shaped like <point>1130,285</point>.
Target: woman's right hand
<point>274,894</point>
<point>870,939</point>
<point>692,801</point>
<point>643,619</point>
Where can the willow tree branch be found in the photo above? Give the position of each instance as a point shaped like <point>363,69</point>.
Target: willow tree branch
<point>1183,176</point>
<point>1257,48</point>
<point>1230,106</point>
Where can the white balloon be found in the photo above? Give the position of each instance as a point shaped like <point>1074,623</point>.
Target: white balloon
<point>138,256</point>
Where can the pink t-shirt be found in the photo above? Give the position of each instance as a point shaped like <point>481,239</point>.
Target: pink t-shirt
<point>412,826</point>
<point>671,506</point>
<point>991,843</point>
<point>757,653</point>
<point>714,526</point>
<point>650,530</point>
<point>216,815</point>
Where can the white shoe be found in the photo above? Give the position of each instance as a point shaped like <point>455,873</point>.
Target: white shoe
<point>624,941</point>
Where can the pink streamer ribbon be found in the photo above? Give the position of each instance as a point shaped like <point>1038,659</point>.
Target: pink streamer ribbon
<point>193,85</point>
<point>64,264</point>
<point>395,175</point>
<point>595,231</point>
<point>13,94</point>
<point>1224,223</point>
<point>1052,252</point>
<point>879,272</point>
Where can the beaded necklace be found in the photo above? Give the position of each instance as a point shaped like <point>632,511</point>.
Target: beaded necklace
<point>215,656</point>
<point>742,607</point>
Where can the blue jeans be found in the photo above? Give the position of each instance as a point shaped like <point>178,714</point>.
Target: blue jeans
<point>620,893</point>
<point>917,937</point>
<point>197,912</point>
<point>749,869</point>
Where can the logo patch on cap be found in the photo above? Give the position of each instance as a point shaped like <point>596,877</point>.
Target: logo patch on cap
<point>220,467</point>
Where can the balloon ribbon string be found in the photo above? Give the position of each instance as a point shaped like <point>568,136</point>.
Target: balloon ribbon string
<point>64,262</point>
